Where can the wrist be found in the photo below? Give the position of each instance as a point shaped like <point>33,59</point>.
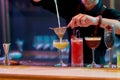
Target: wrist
<point>98,23</point>
<point>98,20</point>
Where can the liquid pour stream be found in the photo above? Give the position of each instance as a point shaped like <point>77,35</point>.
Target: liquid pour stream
<point>58,17</point>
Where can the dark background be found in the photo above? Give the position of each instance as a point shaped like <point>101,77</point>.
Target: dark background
<point>28,22</point>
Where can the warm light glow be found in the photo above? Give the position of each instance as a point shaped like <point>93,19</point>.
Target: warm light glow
<point>93,38</point>
<point>37,0</point>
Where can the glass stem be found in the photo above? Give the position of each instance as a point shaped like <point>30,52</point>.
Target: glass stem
<point>6,59</point>
<point>60,56</point>
<point>93,54</point>
<point>110,57</point>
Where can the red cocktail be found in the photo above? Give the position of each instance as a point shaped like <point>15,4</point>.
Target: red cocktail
<point>77,51</point>
<point>93,42</point>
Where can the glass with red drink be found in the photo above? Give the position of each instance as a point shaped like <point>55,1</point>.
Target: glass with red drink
<point>77,52</point>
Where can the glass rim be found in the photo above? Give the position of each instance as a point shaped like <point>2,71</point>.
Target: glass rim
<point>59,40</point>
<point>77,39</point>
<point>92,38</point>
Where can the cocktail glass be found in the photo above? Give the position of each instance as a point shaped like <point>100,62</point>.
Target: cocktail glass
<point>93,43</point>
<point>59,31</point>
<point>60,45</point>
<point>109,37</point>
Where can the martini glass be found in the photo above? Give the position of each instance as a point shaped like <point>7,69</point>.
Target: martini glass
<point>59,31</point>
<point>60,45</point>
<point>93,43</point>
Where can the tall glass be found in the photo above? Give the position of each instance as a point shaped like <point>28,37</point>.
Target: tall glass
<point>93,42</point>
<point>118,59</point>
<point>77,52</point>
<point>6,50</point>
<point>60,45</point>
<point>109,42</point>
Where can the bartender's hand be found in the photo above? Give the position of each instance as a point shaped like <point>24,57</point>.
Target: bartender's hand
<point>83,20</point>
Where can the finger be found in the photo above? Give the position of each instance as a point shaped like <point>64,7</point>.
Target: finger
<point>72,23</point>
<point>83,20</point>
<point>85,25</point>
<point>79,20</point>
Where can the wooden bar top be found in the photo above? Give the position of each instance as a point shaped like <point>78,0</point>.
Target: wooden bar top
<point>57,73</point>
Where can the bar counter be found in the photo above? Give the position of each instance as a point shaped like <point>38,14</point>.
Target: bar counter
<point>20,72</point>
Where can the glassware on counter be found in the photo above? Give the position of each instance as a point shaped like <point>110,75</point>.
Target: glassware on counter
<point>60,45</point>
<point>109,37</point>
<point>77,52</point>
<point>93,42</point>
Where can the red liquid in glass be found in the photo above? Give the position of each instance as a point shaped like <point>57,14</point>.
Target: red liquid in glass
<point>92,43</point>
<point>77,52</point>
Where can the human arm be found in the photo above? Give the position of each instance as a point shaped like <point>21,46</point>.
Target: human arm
<point>116,24</point>
<point>84,20</point>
